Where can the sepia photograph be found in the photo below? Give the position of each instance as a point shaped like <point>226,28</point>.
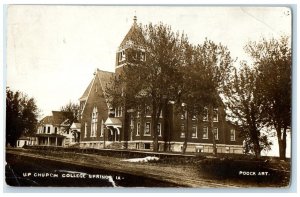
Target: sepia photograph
<point>148,96</point>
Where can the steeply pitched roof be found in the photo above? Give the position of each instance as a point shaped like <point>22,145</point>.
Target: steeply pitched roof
<point>60,117</point>
<point>46,120</point>
<point>104,78</point>
<point>86,92</point>
<point>57,118</point>
<point>134,35</point>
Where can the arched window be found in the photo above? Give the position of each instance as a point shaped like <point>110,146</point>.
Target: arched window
<point>102,128</point>
<point>94,122</point>
<point>85,130</point>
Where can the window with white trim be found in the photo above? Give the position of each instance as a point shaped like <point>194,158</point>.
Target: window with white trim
<point>159,129</point>
<point>216,133</point>
<point>102,128</point>
<point>232,135</point>
<point>138,114</point>
<point>148,111</point>
<point>138,129</point>
<point>182,117</point>
<point>146,145</point>
<point>147,131</point>
<point>122,56</point>
<point>182,131</point>
<point>118,112</point>
<point>85,130</point>
<point>205,114</point>
<point>194,131</point>
<point>205,133</point>
<point>94,122</point>
<point>215,115</point>
<point>142,56</point>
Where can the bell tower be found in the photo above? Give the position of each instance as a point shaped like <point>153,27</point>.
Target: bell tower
<point>132,40</point>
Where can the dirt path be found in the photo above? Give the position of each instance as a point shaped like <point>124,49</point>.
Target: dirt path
<point>183,175</point>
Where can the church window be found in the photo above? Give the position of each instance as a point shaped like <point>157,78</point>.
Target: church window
<point>205,133</point>
<point>194,131</point>
<point>182,131</point>
<point>123,55</point>
<point>232,135</point>
<point>85,130</point>
<point>142,56</point>
<point>159,129</point>
<point>215,115</point>
<point>138,129</point>
<point>216,133</point>
<point>94,122</point>
<point>147,129</point>
<point>147,111</point>
<point>205,114</point>
<point>102,128</point>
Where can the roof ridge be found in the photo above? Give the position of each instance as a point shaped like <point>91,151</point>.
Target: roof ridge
<point>99,70</point>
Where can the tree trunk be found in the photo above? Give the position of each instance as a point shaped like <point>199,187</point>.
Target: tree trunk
<point>186,133</point>
<point>166,126</point>
<point>154,127</point>
<point>257,148</point>
<point>282,143</point>
<point>211,128</point>
<point>255,140</point>
<point>142,119</point>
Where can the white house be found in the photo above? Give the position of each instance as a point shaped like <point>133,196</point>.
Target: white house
<point>55,130</point>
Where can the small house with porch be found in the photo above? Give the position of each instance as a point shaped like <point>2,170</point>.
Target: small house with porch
<point>55,130</point>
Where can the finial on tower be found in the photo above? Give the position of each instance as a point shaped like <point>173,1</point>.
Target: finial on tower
<point>134,18</point>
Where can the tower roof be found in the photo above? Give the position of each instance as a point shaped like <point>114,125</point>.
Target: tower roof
<point>134,35</point>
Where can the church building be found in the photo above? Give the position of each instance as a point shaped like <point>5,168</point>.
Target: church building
<point>118,128</point>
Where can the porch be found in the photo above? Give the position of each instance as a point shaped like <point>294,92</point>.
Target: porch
<point>50,140</point>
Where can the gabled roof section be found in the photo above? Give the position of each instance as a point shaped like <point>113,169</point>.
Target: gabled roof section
<point>60,117</point>
<point>113,122</point>
<point>134,35</point>
<point>105,79</point>
<point>75,125</point>
<point>46,120</point>
<point>86,92</point>
<point>57,118</point>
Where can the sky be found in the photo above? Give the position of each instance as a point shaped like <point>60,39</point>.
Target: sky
<point>53,50</point>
